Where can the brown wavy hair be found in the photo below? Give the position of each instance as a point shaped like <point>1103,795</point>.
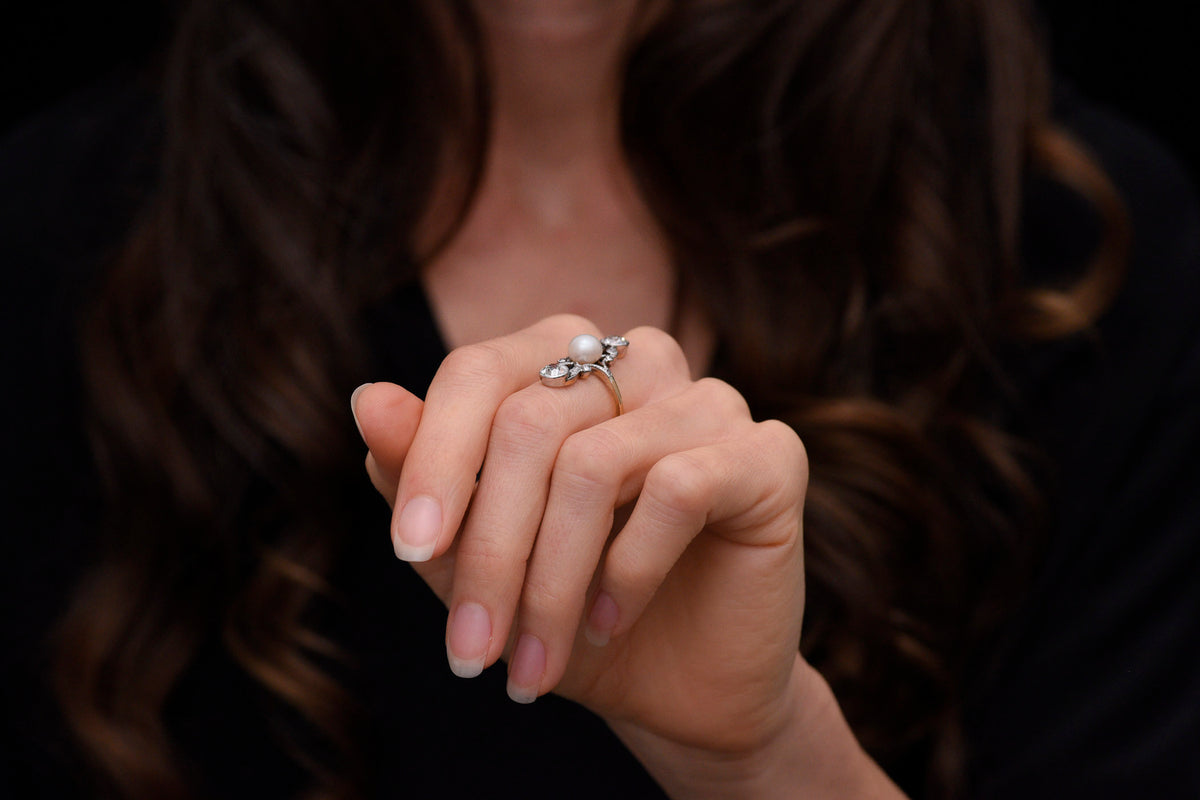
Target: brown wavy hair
<point>841,183</point>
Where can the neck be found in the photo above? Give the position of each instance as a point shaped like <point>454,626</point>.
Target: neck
<point>556,223</point>
<point>555,68</point>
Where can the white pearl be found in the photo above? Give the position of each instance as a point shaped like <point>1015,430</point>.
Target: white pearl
<point>585,349</point>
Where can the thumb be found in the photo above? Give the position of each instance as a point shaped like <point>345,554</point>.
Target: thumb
<point>387,416</point>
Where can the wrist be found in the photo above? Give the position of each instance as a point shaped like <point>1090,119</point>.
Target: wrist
<point>811,753</point>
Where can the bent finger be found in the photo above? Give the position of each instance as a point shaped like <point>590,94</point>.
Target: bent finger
<point>707,490</point>
<point>599,469</point>
<point>387,417</point>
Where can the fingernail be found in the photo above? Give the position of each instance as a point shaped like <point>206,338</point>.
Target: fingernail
<point>526,669</point>
<point>602,619</point>
<point>417,529</point>
<point>353,408</point>
<point>468,639</point>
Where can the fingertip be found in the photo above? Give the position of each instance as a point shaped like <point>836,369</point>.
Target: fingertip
<point>387,417</point>
<point>379,407</point>
<point>527,669</point>
<point>417,528</point>
<point>602,619</point>
<point>354,408</point>
<point>468,639</point>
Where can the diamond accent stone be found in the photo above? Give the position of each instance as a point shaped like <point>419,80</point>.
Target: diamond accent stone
<point>567,370</point>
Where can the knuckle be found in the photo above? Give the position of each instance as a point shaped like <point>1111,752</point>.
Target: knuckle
<point>568,325</point>
<point>722,397</point>
<point>574,320</point>
<point>527,418</point>
<point>786,442</point>
<point>590,457</point>
<point>785,451</point>
<point>629,572</point>
<point>654,338</point>
<point>679,483</point>
<point>468,361</point>
<point>662,348</point>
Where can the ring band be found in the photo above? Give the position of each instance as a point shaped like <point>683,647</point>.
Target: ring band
<point>587,354</point>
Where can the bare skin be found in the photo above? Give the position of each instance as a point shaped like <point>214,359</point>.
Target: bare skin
<point>557,225</point>
<point>679,624</point>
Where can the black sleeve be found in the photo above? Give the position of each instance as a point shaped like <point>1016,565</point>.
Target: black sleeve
<point>1096,687</point>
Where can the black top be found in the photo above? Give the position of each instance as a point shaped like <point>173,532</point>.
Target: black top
<point>1094,690</point>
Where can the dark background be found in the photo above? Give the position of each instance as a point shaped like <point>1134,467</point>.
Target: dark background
<point>1137,57</point>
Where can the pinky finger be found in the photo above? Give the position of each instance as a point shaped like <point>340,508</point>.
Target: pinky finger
<point>748,494</point>
<point>672,509</point>
<point>387,416</point>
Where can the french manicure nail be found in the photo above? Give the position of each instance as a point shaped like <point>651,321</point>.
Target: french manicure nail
<point>417,529</point>
<point>602,619</point>
<point>526,669</point>
<point>468,639</point>
<point>354,409</point>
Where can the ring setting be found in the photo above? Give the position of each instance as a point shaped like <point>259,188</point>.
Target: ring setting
<point>587,354</point>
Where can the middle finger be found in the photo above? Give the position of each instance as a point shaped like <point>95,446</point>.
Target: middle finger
<point>527,432</point>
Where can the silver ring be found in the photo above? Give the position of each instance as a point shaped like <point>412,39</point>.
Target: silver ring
<point>587,354</point>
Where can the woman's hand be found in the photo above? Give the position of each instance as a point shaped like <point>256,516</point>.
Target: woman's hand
<point>681,624</point>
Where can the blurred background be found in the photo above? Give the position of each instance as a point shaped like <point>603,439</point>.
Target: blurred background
<point>1140,58</point>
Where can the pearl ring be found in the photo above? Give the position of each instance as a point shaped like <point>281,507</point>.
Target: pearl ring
<point>587,354</point>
